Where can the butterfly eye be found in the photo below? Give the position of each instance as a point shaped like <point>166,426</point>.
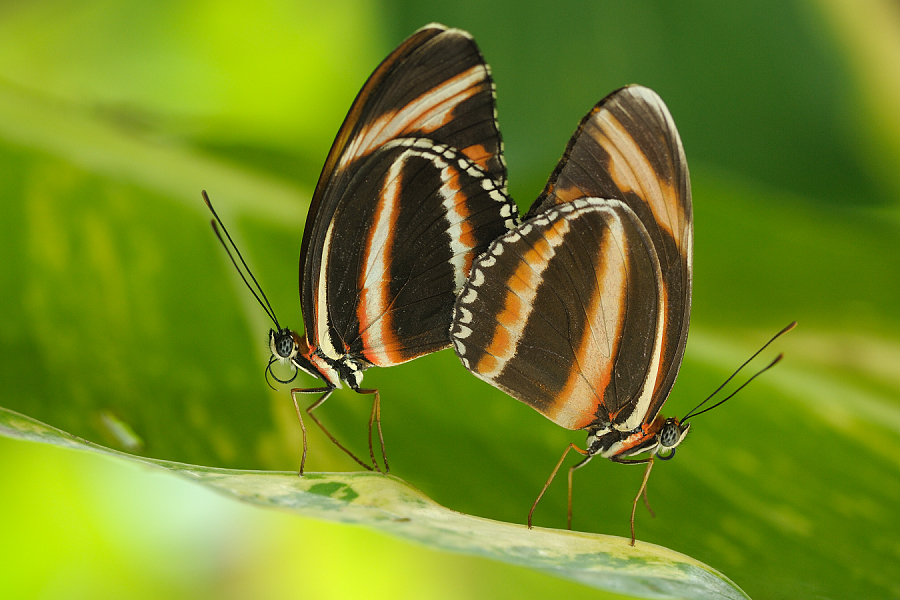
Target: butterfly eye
<point>282,343</point>
<point>670,436</point>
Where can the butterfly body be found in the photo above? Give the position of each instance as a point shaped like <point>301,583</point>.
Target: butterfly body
<point>290,347</point>
<point>659,435</point>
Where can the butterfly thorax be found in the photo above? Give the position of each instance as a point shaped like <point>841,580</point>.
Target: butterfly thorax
<point>659,437</point>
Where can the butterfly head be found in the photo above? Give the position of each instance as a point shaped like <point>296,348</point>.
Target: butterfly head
<point>670,435</point>
<point>287,347</point>
<point>284,344</point>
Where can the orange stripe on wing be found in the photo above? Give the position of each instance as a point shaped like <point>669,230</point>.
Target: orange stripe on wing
<point>567,194</point>
<point>575,406</point>
<point>518,303</point>
<point>479,155</point>
<point>374,319</point>
<point>383,347</point>
<point>428,112</point>
<point>632,171</point>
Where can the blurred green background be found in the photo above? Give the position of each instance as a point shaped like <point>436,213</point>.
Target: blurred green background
<point>122,322</point>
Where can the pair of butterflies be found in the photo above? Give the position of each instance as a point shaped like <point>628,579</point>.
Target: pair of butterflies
<point>580,309</point>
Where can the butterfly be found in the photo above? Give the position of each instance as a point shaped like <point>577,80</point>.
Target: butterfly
<point>413,189</point>
<point>582,311</point>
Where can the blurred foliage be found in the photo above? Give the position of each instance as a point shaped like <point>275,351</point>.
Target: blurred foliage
<point>122,321</point>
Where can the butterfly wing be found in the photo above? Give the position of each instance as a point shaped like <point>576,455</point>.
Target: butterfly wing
<point>627,150</point>
<point>553,308</point>
<point>413,189</point>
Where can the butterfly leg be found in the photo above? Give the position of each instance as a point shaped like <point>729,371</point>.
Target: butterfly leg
<point>316,405</point>
<point>375,418</point>
<point>641,492</point>
<point>647,504</point>
<point>552,475</point>
<point>294,393</point>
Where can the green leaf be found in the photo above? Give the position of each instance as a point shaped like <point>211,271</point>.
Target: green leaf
<point>391,505</point>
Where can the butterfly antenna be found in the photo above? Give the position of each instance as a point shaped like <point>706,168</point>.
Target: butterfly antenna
<point>694,413</point>
<point>264,302</point>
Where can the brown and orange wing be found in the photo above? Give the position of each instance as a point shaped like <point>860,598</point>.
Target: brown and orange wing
<point>555,307</point>
<point>394,264</point>
<point>628,148</point>
<point>413,189</point>
<point>597,340</point>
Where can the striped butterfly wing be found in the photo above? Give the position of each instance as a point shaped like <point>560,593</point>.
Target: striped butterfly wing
<point>628,148</point>
<point>391,297</point>
<point>546,307</point>
<point>412,191</point>
<point>627,152</point>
